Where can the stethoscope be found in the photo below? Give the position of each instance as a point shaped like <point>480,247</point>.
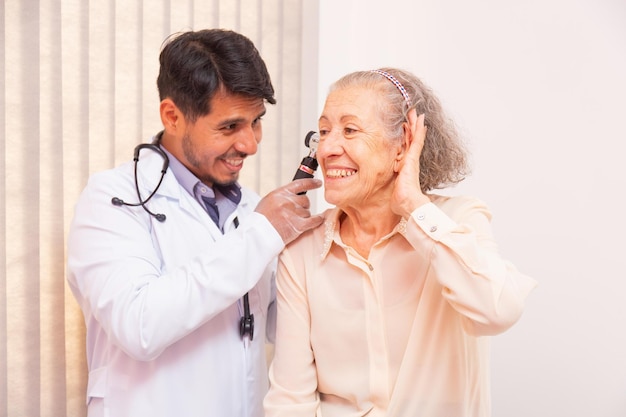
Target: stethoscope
<point>166,163</point>
<point>246,322</point>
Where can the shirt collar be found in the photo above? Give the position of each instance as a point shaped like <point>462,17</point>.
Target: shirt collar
<point>331,231</point>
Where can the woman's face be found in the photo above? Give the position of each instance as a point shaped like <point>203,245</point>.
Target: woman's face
<point>356,159</point>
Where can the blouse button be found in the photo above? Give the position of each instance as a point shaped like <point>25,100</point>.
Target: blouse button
<point>421,216</point>
<point>433,229</point>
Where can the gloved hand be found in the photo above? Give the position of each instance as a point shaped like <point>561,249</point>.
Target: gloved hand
<point>288,211</point>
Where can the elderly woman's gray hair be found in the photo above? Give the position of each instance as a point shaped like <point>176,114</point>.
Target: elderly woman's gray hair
<point>444,159</point>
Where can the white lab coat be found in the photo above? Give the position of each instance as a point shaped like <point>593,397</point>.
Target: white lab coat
<point>162,300</point>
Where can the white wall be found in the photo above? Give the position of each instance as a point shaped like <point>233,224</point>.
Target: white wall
<point>539,86</point>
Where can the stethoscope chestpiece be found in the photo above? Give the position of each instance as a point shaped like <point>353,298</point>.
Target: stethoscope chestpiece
<point>246,326</point>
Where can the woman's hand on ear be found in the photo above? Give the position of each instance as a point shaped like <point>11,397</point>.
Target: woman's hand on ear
<point>407,193</point>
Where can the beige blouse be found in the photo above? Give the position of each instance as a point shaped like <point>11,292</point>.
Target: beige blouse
<point>403,333</point>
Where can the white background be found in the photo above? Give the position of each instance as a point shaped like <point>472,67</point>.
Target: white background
<point>539,89</point>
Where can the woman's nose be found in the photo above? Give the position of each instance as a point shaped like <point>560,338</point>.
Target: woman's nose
<point>330,144</point>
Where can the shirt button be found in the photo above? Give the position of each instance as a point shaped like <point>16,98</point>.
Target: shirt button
<point>433,229</point>
<point>421,216</point>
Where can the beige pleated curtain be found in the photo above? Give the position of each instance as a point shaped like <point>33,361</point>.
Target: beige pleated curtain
<point>78,93</point>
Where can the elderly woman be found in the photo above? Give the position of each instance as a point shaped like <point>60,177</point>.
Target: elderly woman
<point>387,309</point>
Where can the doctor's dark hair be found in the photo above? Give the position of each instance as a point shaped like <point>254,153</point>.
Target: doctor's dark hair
<point>444,160</point>
<point>196,65</point>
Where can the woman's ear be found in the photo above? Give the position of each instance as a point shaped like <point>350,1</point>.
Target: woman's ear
<point>403,147</point>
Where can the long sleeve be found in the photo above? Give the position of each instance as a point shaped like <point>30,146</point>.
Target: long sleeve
<point>293,376</point>
<point>486,289</point>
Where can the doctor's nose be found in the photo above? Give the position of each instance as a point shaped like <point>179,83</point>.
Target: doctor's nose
<point>248,141</point>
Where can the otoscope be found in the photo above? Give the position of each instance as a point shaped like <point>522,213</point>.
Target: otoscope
<point>309,163</point>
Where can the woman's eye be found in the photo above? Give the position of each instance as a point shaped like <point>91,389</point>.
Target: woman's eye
<point>349,131</point>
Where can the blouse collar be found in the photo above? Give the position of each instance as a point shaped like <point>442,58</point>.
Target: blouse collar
<point>331,231</point>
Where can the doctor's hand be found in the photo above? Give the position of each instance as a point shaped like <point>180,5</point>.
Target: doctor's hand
<point>288,210</point>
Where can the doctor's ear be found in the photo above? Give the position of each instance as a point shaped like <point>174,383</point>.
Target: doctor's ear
<point>171,115</point>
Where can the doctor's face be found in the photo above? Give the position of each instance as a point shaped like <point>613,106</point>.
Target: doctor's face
<point>215,146</point>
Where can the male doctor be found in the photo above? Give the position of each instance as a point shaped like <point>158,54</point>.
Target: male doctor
<point>172,264</point>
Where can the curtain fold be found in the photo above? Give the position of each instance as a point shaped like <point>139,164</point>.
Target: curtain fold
<point>78,89</point>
